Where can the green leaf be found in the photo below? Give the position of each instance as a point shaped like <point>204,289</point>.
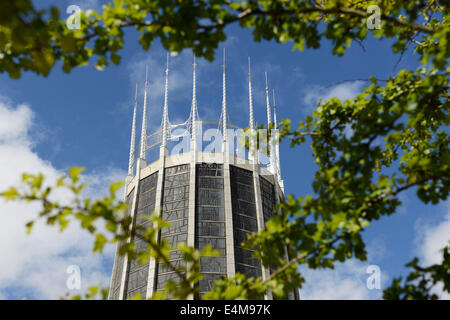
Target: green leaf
<point>29,226</point>
<point>115,59</point>
<point>99,243</point>
<point>10,194</point>
<point>75,172</point>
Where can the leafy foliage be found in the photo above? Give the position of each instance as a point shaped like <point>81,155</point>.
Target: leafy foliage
<point>392,137</point>
<point>420,283</point>
<point>32,39</point>
<point>94,292</point>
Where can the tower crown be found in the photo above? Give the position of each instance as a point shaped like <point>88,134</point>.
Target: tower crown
<point>168,133</point>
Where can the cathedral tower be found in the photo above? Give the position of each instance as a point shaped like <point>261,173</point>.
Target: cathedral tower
<point>210,197</point>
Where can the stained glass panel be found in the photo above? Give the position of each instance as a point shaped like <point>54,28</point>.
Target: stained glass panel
<point>137,275</point>
<point>210,221</point>
<point>244,219</point>
<point>175,203</point>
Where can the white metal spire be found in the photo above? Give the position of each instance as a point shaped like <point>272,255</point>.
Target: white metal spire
<point>269,118</point>
<point>253,152</point>
<point>250,97</point>
<point>165,121</point>
<point>269,121</point>
<point>194,111</point>
<point>144,118</point>
<point>275,125</point>
<point>277,146</point>
<point>224,101</point>
<point>133,136</point>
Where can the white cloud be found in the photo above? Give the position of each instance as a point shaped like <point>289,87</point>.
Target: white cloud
<point>34,266</point>
<point>15,123</point>
<point>433,239</point>
<point>430,240</point>
<point>346,282</point>
<point>343,91</point>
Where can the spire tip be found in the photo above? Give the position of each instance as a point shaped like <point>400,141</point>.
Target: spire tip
<point>146,72</point>
<point>267,82</point>
<point>224,55</point>
<point>167,62</point>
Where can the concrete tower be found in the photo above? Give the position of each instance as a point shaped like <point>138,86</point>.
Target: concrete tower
<point>215,198</point>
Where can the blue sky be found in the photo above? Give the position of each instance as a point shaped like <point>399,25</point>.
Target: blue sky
<point>84,119</point>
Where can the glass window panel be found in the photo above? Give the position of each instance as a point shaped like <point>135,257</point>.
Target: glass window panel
<point>175,255</point>
<point>210,170</point>
<point>240,236</point>
<point>245,223</point>
<point>175,209</point>
<point>210,197</point>
<point>213,264</point>
<point>163,278</point>
<point>211,213</point>
<point>137,278</point>
<point>117,279</point>
<point>174,240</point>
<point>268,198</point>
<point>216,229</point>
<point>177,226</point>
<point>143,214</point>
<point>248,271</point>
<point>243,208</point>
<point>149,182</point>
<point>175,205</point>
<point>176,169</point>
<point>142,291</point>
<point>175,215</point>
<point>244,217</point>
<point>210,183</point>
<point>245,256</point>
<point>117,276</point>
<point>210,217</point>
<point>176,263</point>
<point>218,244</point>
<point>129,202</point>
<point>207,283</point>
<point>147,198</point>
